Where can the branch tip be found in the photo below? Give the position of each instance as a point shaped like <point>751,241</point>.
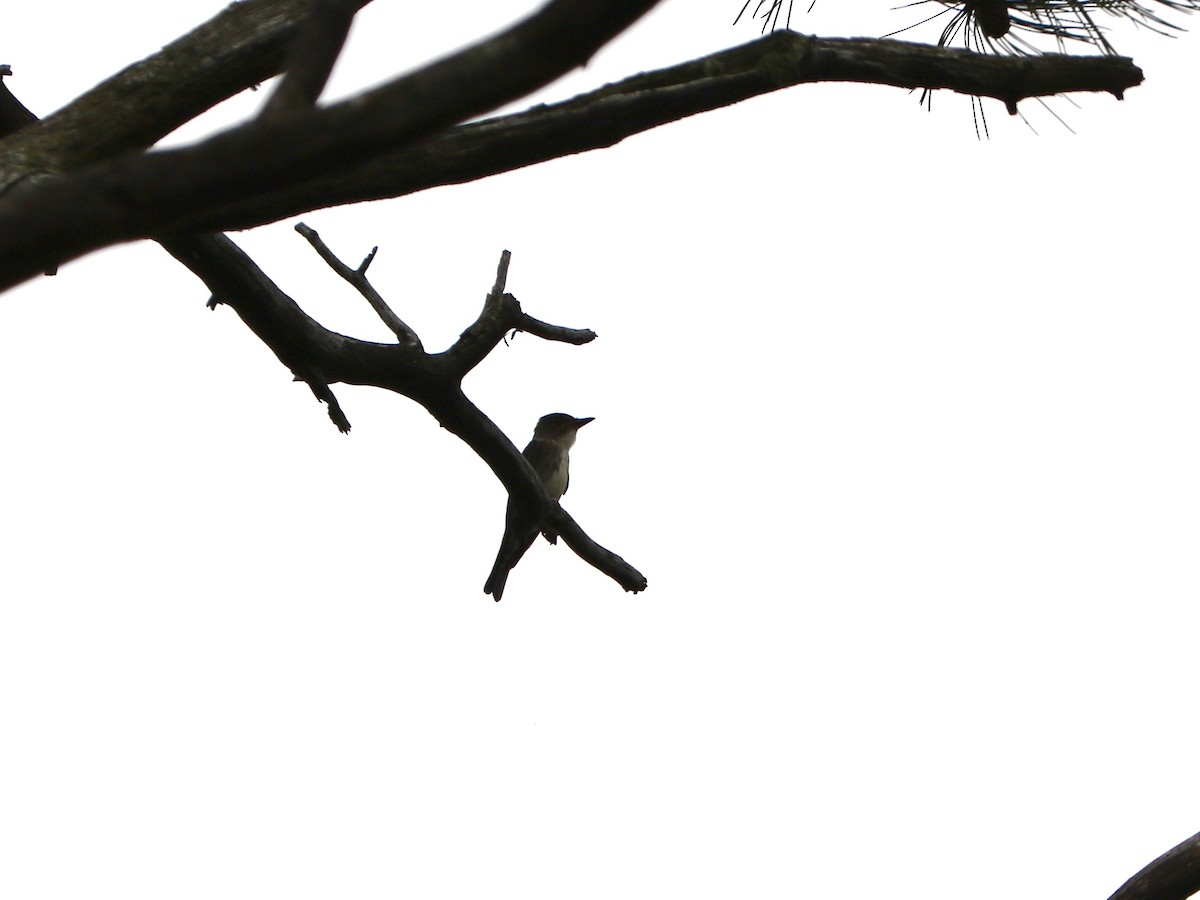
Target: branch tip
<point>502,273</point>
<point>357,277</point>
<point>322,392</point>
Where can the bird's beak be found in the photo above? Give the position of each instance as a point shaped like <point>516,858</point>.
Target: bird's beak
<point>579,423</point>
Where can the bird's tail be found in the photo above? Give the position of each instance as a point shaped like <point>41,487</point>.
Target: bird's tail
<point>499,577</point>
<point>513,545</point>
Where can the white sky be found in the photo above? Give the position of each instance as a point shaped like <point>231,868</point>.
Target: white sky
<point>901,426</point>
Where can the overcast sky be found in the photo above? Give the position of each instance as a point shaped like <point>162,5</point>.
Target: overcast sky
<point>900,424</point>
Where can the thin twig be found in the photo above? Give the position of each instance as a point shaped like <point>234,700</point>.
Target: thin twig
<point>358,278</point>
<point>323,393</point>
<point>501,273</point>
<point>549,332</point>
<point>321,357</point>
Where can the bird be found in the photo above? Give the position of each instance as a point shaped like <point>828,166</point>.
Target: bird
<point>549,454</point>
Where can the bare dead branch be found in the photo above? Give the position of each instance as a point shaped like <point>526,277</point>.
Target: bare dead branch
<point>501,274</point>
<point>13,114</point>
<point>458,415</point>
<point>358,278</point>
<point>241,46</point>
<point>321,357</point>
<point>501,314</point>
<point>1173,876</point>
<point>592,553</point>
<point>548,332</point>
<point>323,393</point>
<point>14,117</point>
<point>161,192</point>
<point>311,57</point>
<point>155,194</point>
<point>606,116</point>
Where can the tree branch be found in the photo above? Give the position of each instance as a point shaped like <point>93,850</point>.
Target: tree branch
<point>13,114</point>
<point>1173,876</point>
<point>264,171</point>
<point>241,46</point>
<point>162,192</point>
<point>607,116</point>
<point>321,357</point>
<point>311,57</point>
<point>358,278</point>
<point>457,414</point>
<point>211,184</point>
<point>548,332</point>
<point>592,553</point>
<point>501,314</point>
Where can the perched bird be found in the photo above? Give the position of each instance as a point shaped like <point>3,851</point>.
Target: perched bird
<point>548,453</point>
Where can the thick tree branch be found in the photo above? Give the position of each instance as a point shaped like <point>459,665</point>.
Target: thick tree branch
<point>14,116</point>
<point>242,45</point>
<point>311,57</point>
<point>606,116</point>
<point>161,192</point>
<point>253,174</point>
<point>1173,876</point>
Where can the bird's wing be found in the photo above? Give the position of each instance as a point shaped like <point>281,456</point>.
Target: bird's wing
<point>540,454</point>
<point>546,457</point>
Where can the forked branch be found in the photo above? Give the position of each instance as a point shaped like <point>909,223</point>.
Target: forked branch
<point>321,357</point>
<point>358,278</point>
<point>266,169</point>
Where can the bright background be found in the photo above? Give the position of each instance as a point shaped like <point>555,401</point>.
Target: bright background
<point>900,424</point>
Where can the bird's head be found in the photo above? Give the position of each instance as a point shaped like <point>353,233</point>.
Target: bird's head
<point>558,426</point>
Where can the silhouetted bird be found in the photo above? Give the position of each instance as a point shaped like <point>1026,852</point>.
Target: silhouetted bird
<point>549,454</point>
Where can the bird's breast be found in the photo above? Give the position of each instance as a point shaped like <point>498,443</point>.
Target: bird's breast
<point>556,479</point>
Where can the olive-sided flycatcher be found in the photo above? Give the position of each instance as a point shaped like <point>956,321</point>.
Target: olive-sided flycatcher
<point>548,453</point>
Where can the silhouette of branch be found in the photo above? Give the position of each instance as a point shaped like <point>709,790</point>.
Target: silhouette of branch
<point>294,150</point>
<point>548,332</point>
<point>605,117</point>
<point>321,357</point>
<point>242,45</point>
<point>1173,876</point>
<point>237,179</point>
<point>358,278</point>
<point>163,191</point>
<point>312,54</point>
<point>13,114</point>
